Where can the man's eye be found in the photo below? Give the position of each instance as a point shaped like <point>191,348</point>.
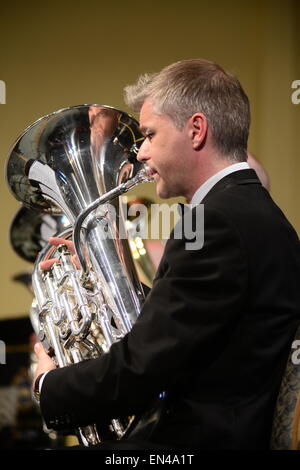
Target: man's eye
<point>149,135</point>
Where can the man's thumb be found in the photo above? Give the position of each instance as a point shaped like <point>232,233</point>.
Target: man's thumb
<point>38,348</point>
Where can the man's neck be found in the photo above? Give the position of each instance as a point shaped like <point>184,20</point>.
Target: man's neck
<point>209,183</point>
<point>207,166</point>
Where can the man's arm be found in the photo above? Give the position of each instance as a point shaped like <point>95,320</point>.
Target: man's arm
<point>191,310</point>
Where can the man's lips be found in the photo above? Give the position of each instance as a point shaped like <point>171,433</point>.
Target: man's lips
<point>151,172</point>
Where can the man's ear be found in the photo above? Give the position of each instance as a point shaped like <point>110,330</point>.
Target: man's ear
<point>198,130</point>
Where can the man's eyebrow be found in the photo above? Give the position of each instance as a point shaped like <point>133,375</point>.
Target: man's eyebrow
<point>143,129</point>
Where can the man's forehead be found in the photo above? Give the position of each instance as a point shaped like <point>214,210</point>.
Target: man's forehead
<point>149,117</point>
<point>147,109</point>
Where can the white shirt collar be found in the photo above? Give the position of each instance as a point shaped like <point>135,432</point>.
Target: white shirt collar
<point>208,185</point>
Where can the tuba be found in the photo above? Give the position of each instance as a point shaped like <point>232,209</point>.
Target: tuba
<point>76,162</point>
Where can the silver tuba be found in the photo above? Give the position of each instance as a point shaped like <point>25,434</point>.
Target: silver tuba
<point>76,162</point>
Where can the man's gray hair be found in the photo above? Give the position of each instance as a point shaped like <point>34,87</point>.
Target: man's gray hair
<point>198,86</point>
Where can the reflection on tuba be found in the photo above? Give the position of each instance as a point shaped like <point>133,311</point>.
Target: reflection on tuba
<point>77,162</point>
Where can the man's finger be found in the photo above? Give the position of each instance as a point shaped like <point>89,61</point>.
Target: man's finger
<point>56,241</point>
<point>39,350</point>
<point>44,362</point>
<point>46,265</point>
<point>75,261</point>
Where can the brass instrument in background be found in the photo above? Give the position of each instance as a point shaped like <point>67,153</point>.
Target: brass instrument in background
<point>138,238</point>
<point>30,230</point>
<point>77,162</point>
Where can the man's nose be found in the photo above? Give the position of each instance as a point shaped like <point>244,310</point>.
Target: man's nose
<point>142,155</point>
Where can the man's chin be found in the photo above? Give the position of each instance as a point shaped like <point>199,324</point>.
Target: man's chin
<point>161,191</point>
<point>164,193</point>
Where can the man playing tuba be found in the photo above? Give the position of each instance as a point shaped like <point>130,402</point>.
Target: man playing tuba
<point>215,332</point>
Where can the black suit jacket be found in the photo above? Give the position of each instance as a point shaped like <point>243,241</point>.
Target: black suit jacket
<point>214,332</point>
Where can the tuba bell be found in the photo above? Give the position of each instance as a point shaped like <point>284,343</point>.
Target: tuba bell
<point>76,162</point>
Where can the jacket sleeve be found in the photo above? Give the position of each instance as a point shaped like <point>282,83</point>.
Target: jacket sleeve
<point>196,299</point>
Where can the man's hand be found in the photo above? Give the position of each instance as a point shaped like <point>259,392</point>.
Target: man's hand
<point>44,363</point>
<point>56,241</point>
